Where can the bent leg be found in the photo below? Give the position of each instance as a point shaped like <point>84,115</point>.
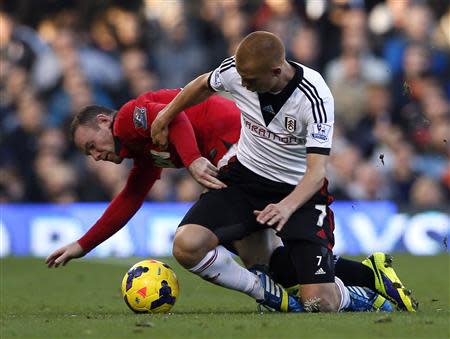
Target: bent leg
<point>321,291</point>
<point>223,216</point>
<point>197,248</point>
<point>256,249</point>
<point>315,273</point>
<point>191,243</point>
<point>324,297</point>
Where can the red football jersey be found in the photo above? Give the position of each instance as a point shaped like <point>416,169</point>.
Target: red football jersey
<point>215,124</point>
<point>207,129</point>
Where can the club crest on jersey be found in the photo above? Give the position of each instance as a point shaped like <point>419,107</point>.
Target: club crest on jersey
<point>140,117</point>
<point>290,124</point>
<point>320,132</point>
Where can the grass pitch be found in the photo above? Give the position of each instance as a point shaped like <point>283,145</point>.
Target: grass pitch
<point>83,300</point>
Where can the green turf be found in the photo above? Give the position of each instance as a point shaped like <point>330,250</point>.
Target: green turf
<point>82,300</point>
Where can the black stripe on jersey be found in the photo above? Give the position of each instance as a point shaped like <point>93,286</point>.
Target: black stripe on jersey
<point>271,103</point>
<point>320,99</point>
<point>227,67</point>
<point>209,82</point>
<point>318,150</point>
<point>226,63</point>
<point>307,88</point>
<point>312,103</point>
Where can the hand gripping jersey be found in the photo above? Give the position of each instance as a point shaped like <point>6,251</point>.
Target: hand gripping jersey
<point>278,130</point>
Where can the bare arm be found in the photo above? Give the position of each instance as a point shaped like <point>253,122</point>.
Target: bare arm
<point>311,182</point>
<point>194,93</point>
<point>278,214</point>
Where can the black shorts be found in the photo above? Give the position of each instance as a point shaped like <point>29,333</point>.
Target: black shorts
<point>229,214</point>
<point>313,263</point>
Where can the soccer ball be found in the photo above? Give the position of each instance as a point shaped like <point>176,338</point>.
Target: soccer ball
<point>150,286</point>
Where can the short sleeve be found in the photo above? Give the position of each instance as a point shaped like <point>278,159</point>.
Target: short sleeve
<point>320,124</point>
<point>217,79</point>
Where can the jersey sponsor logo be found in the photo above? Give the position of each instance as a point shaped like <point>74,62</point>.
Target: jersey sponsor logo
<point>320,132</point>
<point>140,117</point>
<point>263,132</point>
<point>290,124</point>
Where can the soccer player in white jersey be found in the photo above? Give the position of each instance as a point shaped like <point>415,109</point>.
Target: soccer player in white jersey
<point>278,179</point>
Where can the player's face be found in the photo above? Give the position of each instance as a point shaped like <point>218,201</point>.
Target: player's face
<point>255,80</point>
<point>97,142</point>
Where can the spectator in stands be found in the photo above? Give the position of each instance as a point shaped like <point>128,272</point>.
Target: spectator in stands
<point>67,51</point>
<point>426,193</point>
<point>305,47</point>
<point>21,143</point>
<point>342,170</point>
<point>369,183</point>
<point>138,76</point>
<point>57,179</point>
<point>402,174</point>
<point>417,26</point>
<point>106,53</point>
<point>179,55</point>
<point>351,72</point>
<point>75,93</point>
<point>376,111</point>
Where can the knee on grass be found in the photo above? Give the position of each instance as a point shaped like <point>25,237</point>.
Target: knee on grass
<point>320,299</point>
<point>317,304</point>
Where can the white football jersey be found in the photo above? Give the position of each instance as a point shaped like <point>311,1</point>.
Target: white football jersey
<point>278,130</point>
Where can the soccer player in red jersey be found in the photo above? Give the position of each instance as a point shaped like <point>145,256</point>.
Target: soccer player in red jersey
<point>107,135</point>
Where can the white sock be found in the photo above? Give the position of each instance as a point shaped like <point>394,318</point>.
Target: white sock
<point>345,296</point>
<point>219,267</point>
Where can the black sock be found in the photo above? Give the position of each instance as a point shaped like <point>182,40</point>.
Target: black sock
<point>353,273</point>
<point>281,267</point>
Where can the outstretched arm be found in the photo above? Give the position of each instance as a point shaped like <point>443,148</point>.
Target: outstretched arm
<point>120,210</point>
<point>195,92</point>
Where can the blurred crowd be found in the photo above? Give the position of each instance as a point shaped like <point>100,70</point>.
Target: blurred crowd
<point>386,62</point>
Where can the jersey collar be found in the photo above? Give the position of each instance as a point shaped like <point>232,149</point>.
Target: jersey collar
<point>117,142</point>
<point>271,103</point>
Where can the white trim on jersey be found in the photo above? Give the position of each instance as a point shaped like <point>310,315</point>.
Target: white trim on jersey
<point>277,149</point>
